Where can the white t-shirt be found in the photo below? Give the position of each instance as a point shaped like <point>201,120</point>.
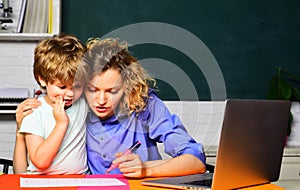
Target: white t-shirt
<point>71,157</point>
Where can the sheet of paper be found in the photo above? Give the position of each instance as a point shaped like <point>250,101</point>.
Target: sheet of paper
<point>69,182</point>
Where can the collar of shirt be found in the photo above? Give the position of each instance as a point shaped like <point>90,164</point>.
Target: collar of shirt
<point>93,118</point>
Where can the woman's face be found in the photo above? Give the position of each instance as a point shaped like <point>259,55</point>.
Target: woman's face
<point>104,92</point>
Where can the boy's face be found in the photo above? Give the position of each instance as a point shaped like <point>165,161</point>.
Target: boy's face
<point>104,93</point>
<point>69,93</point>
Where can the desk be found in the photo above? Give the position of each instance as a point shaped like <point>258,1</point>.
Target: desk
<point>12,182</point>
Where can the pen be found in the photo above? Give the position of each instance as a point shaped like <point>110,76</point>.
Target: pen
<point>132,149</point>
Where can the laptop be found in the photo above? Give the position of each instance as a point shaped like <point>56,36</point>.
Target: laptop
<point>250,149</point>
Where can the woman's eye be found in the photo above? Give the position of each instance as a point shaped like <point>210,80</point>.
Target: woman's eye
<point>91,89</point>
<point>114,91</point>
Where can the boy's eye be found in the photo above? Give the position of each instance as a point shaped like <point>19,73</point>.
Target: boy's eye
<point>62,87</point>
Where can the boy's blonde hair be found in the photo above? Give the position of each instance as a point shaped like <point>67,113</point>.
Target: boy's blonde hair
<point>110,53</point>
<point>59,58</point>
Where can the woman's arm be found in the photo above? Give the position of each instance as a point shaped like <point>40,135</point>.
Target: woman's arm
<point>20,153</point>
<point>188,155</point>
<point>185,164</point>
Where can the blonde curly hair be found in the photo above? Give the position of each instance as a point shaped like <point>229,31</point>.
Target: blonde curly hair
<point>110,53</point>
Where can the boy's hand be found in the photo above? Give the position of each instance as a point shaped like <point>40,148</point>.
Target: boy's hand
<point>59,112</point>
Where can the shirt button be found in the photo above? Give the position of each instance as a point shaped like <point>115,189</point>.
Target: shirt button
<point>101,138</point>
<point>104,155</point>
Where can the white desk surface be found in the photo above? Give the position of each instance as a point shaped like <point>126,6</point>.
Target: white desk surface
<point>289,184</point>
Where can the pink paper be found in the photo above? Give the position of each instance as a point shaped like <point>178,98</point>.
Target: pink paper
<point>117,176</point>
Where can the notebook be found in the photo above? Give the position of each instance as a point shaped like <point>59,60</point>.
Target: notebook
<point>250,149</point>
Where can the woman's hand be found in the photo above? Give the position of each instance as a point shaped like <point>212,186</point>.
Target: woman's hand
<point>130,165</point>
<point>25,108</point>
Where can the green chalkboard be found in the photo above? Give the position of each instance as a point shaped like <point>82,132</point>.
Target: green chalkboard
<point>198,49</point>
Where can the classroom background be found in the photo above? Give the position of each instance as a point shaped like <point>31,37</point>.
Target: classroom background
<point>202,53</point>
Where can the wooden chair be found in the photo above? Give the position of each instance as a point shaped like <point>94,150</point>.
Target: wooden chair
<point>6,164</point>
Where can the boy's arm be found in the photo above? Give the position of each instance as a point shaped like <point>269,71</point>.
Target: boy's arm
<point>43,151</point>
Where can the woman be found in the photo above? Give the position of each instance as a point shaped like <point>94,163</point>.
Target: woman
<point>125,109</point>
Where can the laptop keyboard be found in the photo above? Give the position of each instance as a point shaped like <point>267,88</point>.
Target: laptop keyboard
<point>199,183</point>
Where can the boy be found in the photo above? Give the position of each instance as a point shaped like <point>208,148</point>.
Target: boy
<point>55,131</point>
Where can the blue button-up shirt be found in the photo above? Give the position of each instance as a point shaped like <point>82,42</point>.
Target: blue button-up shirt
<point>154,125</point>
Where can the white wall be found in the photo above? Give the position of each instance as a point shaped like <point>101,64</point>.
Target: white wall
<point>294,139</point>
<point>16,60</point>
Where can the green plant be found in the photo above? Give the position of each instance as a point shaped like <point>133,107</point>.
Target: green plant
<point>283,86</point>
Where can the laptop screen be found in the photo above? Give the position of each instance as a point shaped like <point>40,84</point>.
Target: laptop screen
<point>250,149</point>
<point>251,143</point>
